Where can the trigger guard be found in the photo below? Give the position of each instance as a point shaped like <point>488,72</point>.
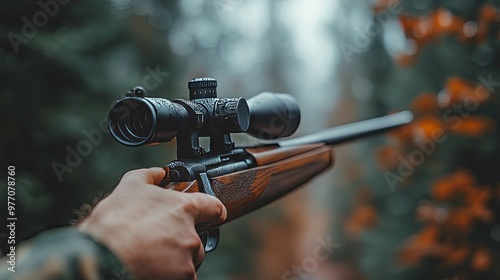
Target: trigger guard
<point>210,239</point>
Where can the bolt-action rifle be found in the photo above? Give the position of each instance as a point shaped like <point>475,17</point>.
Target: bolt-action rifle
<point>243,178</point>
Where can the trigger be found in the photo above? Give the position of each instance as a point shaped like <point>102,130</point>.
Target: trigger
<point>210,239</point>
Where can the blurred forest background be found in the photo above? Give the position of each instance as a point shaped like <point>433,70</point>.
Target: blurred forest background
<point>419,203</point>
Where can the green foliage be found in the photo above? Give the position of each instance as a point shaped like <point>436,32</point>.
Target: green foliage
<point>57,90</point>
<point>397,86</point>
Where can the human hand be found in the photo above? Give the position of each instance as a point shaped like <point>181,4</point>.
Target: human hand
<point>152,230</point>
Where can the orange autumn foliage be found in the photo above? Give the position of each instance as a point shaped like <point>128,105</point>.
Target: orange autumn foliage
<point>461,186</point>
<point>459,90</point>
<point>448,224</point>
<point>441,22</point>
<point>387,157</point>
<point>427,237</point>
<point>481,260</point>
<point>458,204</point>
<point>454,255</point>
<point>481,212</point>
<point>487,15</point>
<point>425,29</point>
<point>382,5</point>
<point>403,133</point>
<point>460,219</point>
<point>420,245</point>
<point>405,60</point>
<point>475,126</point>
<point>444,22</point>
<point>477,204</point>
<point>429,241</point>
<point>424,102</point>
<point>430,122</point>
<point>479,196</point>
<point>363,217</point>
<point>458,184</point>
<point>426,127</point>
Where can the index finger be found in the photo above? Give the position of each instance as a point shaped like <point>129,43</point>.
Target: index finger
<point>205,208</point>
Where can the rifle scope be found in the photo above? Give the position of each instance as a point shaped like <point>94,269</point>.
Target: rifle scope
<point>137,120</point>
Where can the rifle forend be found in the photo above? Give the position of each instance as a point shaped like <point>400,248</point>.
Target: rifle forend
<point>244,179</point>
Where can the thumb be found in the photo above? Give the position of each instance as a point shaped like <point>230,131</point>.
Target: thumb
<point>206,208</point>
<point>153,175</point>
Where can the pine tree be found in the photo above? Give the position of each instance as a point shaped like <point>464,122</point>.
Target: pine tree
<point>429,207</point>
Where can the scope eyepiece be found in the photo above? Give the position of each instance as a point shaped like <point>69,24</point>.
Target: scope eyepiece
<point>136,121</point>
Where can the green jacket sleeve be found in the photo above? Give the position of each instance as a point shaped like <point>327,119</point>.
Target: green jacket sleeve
<point>65,254</point>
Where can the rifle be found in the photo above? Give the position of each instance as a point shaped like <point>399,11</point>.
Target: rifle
<point>243,178</point>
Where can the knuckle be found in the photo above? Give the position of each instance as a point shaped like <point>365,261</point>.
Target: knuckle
<point>189,206</point>
<point>193,241</point>
<point>220,211</point>
<point>133,175</point>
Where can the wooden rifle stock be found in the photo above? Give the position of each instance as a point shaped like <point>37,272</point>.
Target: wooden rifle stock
<point>277,169</point>
<point>278,172</point>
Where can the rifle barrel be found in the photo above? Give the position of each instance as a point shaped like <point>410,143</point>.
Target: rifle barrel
<point>352,131</point>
